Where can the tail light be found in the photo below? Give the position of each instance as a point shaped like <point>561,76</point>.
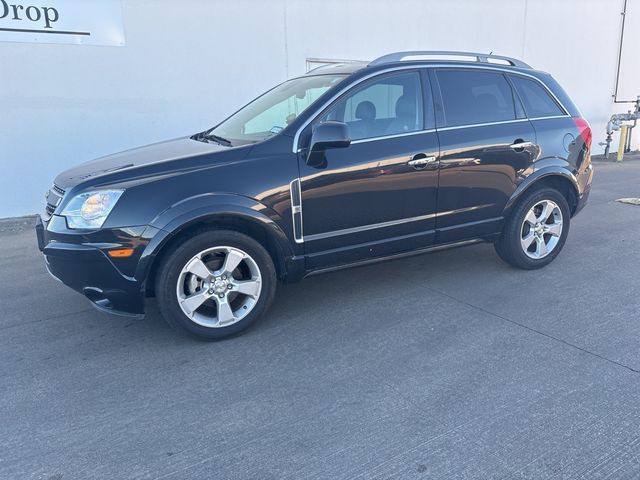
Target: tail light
<point>585,130</point>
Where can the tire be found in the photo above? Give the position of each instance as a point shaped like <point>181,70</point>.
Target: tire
<point>198,295</point>
<point>522,229</point>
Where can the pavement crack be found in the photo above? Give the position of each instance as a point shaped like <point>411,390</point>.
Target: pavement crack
<point>539,332</point>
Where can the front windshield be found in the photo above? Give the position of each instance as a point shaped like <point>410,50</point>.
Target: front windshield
<point>270,113</point>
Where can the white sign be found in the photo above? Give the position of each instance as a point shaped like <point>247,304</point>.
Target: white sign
<point>82,22</point>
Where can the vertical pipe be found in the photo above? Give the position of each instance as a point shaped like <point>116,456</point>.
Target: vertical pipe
<point>624,17</point>
<point>623,142</point>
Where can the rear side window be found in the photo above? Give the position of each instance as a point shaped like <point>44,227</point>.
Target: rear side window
<point>536,99</point>
<point>471,96</point>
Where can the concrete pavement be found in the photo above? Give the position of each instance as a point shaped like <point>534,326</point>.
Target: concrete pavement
<point>461,367</point>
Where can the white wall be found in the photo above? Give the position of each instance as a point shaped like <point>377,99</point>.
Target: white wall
<point>188,64</point>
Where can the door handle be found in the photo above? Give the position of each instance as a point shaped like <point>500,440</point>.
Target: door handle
<point>520,145</point>
<point>420,161</point>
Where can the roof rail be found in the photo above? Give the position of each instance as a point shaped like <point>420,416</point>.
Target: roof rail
<point>479,57</point>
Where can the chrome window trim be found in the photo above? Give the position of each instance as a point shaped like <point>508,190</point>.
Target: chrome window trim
<point>503,122</point>
<point>455,127</point>
<point>395,135</point>
<point>492,67</point>
<point>549,117</point>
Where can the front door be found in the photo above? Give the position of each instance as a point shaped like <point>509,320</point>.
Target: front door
<point>377,196</point>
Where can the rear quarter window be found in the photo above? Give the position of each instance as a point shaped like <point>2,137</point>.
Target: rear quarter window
<point>536,99</point>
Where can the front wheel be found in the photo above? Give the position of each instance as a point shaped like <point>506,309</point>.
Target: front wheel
<point>215,284</point>
<point>536,230</point>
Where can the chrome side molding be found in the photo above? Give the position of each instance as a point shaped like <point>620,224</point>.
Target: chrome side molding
<point>296,210</point>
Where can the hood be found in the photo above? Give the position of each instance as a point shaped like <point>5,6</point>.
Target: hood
<point>158,155</point>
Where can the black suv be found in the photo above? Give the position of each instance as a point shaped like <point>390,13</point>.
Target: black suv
<point>345,165</point>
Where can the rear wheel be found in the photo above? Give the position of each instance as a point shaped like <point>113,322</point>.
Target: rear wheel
<point>536,230</point>
<point>215,284</point>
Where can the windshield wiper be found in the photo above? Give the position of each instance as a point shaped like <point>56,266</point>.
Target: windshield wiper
<point>215,138</point>
<point>220,140</point>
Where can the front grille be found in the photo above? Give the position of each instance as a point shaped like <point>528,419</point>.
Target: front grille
<point>53,197</point>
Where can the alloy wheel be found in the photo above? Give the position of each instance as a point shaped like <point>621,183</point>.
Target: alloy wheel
<point>541,229</point>
<point>219,286</point>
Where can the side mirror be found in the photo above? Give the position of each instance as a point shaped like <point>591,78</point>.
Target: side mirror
<point>324,136</point>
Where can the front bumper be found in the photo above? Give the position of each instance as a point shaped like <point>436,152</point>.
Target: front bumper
<point>80,261</point>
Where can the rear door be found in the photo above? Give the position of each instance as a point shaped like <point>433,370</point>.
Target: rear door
<point>486,145</point>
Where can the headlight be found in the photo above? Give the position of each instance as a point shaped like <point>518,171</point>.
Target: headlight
<point>89,210</point>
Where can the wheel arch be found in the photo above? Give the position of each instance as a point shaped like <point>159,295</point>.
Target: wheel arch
<point>223,216</point>
<point>559,179</point>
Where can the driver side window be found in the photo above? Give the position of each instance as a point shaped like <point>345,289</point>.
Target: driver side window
<point>387,105</point>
